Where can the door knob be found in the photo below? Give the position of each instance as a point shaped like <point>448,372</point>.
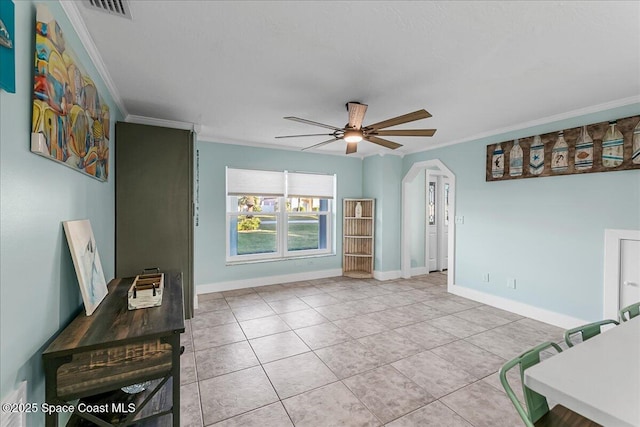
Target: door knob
<point>628,283</point>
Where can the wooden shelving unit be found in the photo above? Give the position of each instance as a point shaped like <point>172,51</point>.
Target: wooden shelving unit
<point>358,238</point>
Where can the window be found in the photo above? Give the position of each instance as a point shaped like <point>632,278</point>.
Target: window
<point>432,203</point>
<point>277,215</point>
<point>446,203</point>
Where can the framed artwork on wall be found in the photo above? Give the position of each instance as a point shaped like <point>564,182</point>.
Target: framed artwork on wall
<point>597,147</point>
<point>71,121</point>
<point>86,261</point>
<point>7,46</point>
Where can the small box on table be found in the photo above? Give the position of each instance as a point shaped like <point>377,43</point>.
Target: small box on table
<point>146,291</point>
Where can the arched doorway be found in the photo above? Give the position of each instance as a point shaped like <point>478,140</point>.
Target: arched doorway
<point>436,166</point>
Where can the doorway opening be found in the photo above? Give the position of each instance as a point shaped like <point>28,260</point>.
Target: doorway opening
<point>436,221</point>
<point>415,219</point>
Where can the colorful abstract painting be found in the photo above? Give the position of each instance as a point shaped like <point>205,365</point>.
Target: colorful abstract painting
<point>7,47</point>
<point>86,261</point>
<point>67,108</point>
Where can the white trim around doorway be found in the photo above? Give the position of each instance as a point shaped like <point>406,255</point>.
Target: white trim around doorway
<point>612,240</point>
<point>405,246</point>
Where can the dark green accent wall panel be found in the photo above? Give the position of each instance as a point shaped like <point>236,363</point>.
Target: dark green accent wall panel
<point>154,199</point>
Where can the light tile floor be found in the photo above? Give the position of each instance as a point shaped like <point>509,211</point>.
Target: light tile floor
<point>351,352</point>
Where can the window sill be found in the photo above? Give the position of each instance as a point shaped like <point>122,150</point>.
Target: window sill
<point>294,258</point>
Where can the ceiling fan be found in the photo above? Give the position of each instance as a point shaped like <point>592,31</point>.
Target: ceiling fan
<point>354,132</point>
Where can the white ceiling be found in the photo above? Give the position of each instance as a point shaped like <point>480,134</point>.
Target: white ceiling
<point>236,68</point>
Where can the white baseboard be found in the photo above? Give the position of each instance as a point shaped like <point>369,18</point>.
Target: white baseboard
<point>268,280</point>
<point>543,315</point>
<point>397,274</point>
<point>419,271</point>
<point>386,275</point>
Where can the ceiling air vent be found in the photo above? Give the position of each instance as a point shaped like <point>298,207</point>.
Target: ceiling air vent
<point>112,7</point>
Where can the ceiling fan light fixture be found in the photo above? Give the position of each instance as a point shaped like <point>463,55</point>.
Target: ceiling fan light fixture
<point>354,132</point>
<point>352,135</point>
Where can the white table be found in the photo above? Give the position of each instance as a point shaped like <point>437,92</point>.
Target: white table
<point>599,378</point>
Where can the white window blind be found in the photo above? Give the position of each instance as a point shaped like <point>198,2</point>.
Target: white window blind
<point>247,181</point>
<point>273,183</point>
<point>310,185</point>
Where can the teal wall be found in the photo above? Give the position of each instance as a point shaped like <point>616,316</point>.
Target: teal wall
<point>39,291</point>
<point>547,233</point>
<point>382,179</point>
<point>210,266</point>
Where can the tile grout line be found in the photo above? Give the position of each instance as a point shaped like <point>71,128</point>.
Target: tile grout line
<point>352,339</point>
<point>239,370</point>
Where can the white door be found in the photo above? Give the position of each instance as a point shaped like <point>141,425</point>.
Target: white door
<point>629,272</point>
<point>432,222</point>
<point>437,222</point>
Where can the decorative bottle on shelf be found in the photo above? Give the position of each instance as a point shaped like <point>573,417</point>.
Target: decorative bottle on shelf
<point>636,145</point>
<point>515,159</point>
<point>584,150</point>
<point>612,147</point>
<point>536,156</point>
<point>358,210</point>
<point>497,162</point>
<point>559,154</point>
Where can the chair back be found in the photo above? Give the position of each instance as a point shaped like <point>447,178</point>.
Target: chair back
<point>587,331</point>
<point>536,404</point>
<point>629,312</point>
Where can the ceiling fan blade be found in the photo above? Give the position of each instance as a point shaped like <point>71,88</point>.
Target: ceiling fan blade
<point>352,147</point>
<point>356,114</point>
<point>320,144</point>
<point>416,115</point>
<point>405,132</point>
<point>309,134</point>
<point>383,142</point>
<point>310,122</point>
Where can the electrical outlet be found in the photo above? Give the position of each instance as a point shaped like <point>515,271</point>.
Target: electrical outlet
<point>511,283</point>
<point>460,219</point>
<point>485,277</point>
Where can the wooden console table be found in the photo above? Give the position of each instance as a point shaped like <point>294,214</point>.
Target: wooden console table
<point>116,347</point>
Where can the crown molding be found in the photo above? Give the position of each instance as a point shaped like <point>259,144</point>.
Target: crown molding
<point>539,122</point>
<point>152,121</point>
<point>205,137</point>
<point>73,13</point>
<point>209,138</point>
<point>388,153</point>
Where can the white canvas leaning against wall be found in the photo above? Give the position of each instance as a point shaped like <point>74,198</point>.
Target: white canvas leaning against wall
<point>86,261</point>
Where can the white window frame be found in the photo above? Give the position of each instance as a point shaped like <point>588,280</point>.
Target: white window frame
<point>282,228</point>
<point>308,252</point>
<point>250,257</point>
